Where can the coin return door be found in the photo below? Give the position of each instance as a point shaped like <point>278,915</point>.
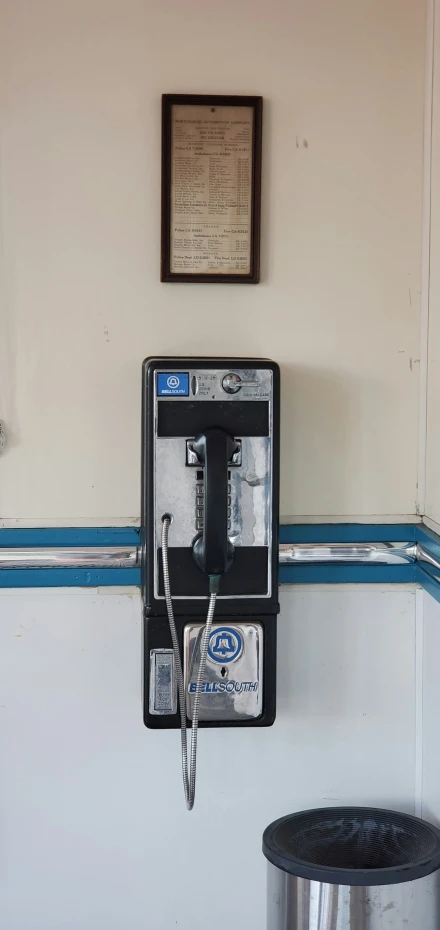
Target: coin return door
<point>231,688</point>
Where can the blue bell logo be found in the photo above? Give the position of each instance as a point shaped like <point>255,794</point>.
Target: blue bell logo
<point>225,645</point>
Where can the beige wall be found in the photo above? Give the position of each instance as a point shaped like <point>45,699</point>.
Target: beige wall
<point>338,305</point>
<point>432,508</point>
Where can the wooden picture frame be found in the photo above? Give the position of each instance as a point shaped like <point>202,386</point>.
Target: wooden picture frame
<point>211,188</point>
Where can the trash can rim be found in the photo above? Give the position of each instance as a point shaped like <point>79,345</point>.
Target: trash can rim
<point>389,875</point>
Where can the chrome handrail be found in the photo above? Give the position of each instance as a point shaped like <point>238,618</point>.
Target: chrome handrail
<point>289,553</point>
<point>73,557</point>
<point>379,553</point>
<point>424,556</point>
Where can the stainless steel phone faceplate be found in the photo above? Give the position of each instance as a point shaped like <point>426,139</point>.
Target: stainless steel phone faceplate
<point>178,488</point>
<point>232,686</point>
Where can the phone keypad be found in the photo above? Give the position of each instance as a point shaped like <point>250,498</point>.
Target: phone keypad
<point>200,506</point>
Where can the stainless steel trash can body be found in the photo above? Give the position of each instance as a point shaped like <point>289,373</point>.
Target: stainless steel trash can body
<point>352,869</point>
<point>299,904</point>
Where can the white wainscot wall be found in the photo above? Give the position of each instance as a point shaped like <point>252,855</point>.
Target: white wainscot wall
<point>431,709</point>
<point>95,834</point>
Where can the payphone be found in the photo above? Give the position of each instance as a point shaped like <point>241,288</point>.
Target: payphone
<point>210,479</point>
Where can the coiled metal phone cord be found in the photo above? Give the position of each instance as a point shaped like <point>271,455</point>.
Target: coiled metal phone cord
<point>188,771</point>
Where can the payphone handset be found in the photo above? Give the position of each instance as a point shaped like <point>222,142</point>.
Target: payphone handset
<point>210,479</point>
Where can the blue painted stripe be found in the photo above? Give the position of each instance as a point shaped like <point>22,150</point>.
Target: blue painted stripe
<point>429,540</point>
<point>289,574</point>
<point>68,577</point>
<point>70,536</point>
<point>347,574</point>
<point>347,532</point>
<point>289,533</point>
<point>427,575</point>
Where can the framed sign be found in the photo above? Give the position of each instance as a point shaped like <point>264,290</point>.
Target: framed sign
<point>211,188</point>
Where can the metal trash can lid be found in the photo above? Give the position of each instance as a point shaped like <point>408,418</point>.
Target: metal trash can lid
<point>353,846</point>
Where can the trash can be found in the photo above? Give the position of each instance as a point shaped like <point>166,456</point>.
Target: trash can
<point>352,868</point>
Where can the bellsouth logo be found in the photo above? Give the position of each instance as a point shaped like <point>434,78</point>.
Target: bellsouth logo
<point>225,645</point>
<point>173,383</point>
<point>223,687</point>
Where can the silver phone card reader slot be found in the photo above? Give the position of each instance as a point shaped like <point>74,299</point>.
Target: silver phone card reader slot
<point>163,688</point>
